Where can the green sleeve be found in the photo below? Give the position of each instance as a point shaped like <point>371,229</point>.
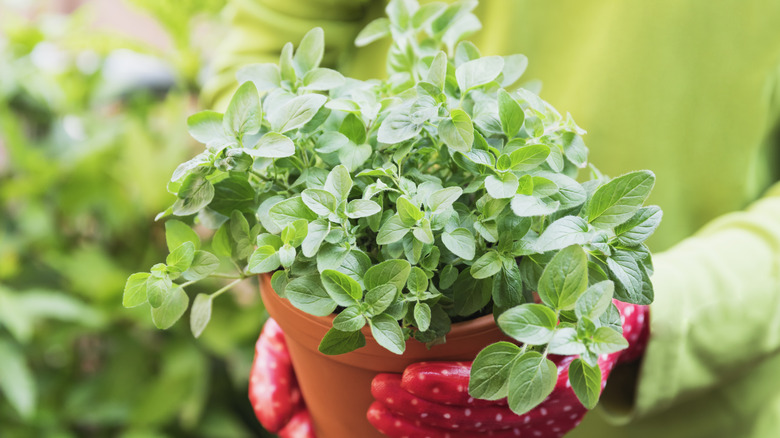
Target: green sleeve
<point>715,313</point>
<point>258,29</point>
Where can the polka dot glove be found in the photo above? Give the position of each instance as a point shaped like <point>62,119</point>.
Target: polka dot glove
<point>431,398</point>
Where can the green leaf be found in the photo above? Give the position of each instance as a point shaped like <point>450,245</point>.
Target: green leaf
<point>362,208</point>
<point>244,115</point>
<point>240,236</point>
<point>566,231</point>
<point>200,314</point>
<point>319,201</point>
<point>574,149</point>
<point>470,294</point>
<point>349,320</point>
<point>514,67</point>
<point>616,201</point>
<point>565,342</point>
<point>392,231</point>
<point>478,72</point>
<point>206,127</point>
<point>180,259</point>
<point>510,113</point>
<point>233,193</point>
<point>307,294</point>
<point>16,380</point>
<point>417,281</point>
<point>490,371</point>
<point>342,289</point>
<point>264,259</point>
<point>443,199</point>
<point>296,112</point>
<point>641,226</point>
<point>290,210</point>
<point>447,276</point>
<point>586,382</point>
<point>353,156</point>
<point>135,290</point>
<point>203,264</point>
<point>339,183</point>
<point>310,51</point>
<point>398,126</point>
<point>317,231</point>
<point>531,380</point>
<point>487,265</point>
<point>437,73</point>
<point>630,279</point>
<point>338,342</point>
<point>507,286</point>
<point>565,278</point>
<point>422,316</point>
<point>195,193</point>
<point>607,340</point>
<point>460,242</point>
<point>375,30</point>
<point>265,76</point>
<point>595,301</point>
<point>380,297</point>
<point>387,333</point>
<point>157,289</point>
<point>502,186</point>
<point>172,308</point>
<point>457,132</point>
<point>530,206</point>
<point>393,272</point>
<point>408,212</point>
<point>177,232</point>
<point>529,157</point>
<point>272,145</point>
<point>529,323</point>
<point>286,255</point>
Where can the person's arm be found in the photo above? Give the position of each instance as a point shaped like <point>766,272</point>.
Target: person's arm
<point>258,29</point>
<point>716,311</point>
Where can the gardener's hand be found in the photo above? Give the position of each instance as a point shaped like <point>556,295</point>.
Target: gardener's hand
<point>431,399</point>
<point>273,388</point>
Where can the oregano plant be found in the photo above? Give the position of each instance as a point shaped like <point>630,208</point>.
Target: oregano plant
<point>440,194</point>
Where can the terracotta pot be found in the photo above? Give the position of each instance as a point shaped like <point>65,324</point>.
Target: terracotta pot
<point>337,389</point>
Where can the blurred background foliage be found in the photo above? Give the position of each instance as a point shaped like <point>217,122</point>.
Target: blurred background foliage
<point>92,123</point>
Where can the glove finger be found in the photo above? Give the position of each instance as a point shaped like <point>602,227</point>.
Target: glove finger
<point>300,426</point>
<point>395,426</point>
<point>387,390</point>
<point>445,383</point>
<point>273,389</point>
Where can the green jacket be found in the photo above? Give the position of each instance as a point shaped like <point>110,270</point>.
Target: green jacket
<point>688,89</point>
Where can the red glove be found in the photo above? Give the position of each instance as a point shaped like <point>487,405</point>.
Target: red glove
<point>431,398</point>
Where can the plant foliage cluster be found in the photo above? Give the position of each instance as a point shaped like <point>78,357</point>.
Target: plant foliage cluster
<point>437,195</point>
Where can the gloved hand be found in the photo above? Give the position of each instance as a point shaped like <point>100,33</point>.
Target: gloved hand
<point>431,398</point>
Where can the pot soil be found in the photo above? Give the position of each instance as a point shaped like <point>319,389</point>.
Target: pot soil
<point>337,389</point>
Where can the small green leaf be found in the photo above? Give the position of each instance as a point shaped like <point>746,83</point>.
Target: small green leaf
<point>181,258</point>
<point>393,272</point>
<point>375,30</point>
<point>265,76</point>
<point>565,342</point>
<point>392,231</point>
<point>307,294</point>
<point>531,380</point>
<point>157,289</point>
<point>566,231</point>
<point>448,276</point>
<point>618,200</point>
<point>339,183</point>
<point>460,242</point>
<point>362,208</point>
<point>630,279</point>
<point>272,145</point>
<point>264,259</point>
<point>290,210</point>
<point>528,157</point>
<point>319,201</point>
<point>171,309</point>
<point>422,316</point>
<point>349,320</point>
<point>206,127</point>
<point>595,301</point>
<point>16,380</point>
<point>387,333</point>
<point>565,278</point>
<point>177,232</point>
<point>607,340</point>
<point>487,265</point>
<point>195,193</point>
<point>310,51</point>
<point>457,132</point>
<point>342,289</point>
<point>316,235</point>
<point>529,323</point>
<point>586,382</point>
<point>510,113</point>
<point>490,371</point>
<point>417,281</point>
<point>135,290</point>
<point>379,298</point>
<point>244,115</point>
<point>502,186</point>
<point>200,314</point>
<point>408,212</point>
<point>339,342</point>
<point>530,206</point>
<point>478,72</point>
<point>641,226</point>
<point>443,199</point>
<point>296,112</point>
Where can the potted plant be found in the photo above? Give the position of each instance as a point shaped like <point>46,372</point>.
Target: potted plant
<point>393,220</point>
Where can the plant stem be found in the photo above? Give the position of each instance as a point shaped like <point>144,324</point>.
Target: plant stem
<point>227,287</point>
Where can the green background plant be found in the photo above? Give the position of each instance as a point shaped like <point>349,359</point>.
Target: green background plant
<point>82,157</point>
<point>407,204</point>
